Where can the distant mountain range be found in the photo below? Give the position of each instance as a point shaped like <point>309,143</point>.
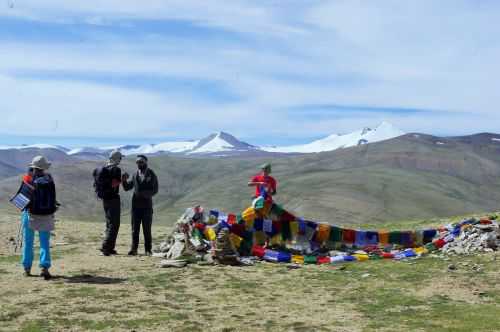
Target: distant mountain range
<point>223,144</point>
<point>413,176</point>
<point>382,132</point>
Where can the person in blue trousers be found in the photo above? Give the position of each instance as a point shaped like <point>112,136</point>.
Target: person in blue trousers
<point>29,239</point>
<point>39,216</point>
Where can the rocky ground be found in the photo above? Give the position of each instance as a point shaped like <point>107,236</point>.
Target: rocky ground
<point>121,293</point>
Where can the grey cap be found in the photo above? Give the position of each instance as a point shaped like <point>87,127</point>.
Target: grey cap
<point>115,157</point>
<point>40,162</point>
<point>266,166</point>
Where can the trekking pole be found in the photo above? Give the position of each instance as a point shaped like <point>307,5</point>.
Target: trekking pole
<point>19,238</point>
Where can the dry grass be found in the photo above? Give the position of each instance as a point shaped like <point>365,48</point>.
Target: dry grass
<point>122,293</point>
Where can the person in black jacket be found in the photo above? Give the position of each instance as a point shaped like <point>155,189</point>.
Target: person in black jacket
<point>145,185</point>
<point>111,203</point>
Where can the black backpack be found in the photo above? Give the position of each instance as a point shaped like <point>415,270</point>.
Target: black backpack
<point>43,199</point>
<point>102,182</point>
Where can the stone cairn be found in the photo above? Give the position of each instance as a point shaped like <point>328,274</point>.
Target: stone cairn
<point>476,238</point>
<point>224,251</point>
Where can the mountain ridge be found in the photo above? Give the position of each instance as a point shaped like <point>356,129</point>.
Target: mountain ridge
<point>413,176</point>
<point>224,144</point>
<point>382,132</point>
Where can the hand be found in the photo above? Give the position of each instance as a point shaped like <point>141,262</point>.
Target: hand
<point>125,176</point>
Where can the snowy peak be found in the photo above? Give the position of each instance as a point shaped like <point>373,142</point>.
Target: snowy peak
<point>128,150</point>
<point>225,144</point>
<point>34,146</point>
<point>386,129</point>
<point>221,142</point>
<point>365,131</point>
<point>212,144</point>
<point>165,147</point>
<point>85,150</point>
<point>382,132</point>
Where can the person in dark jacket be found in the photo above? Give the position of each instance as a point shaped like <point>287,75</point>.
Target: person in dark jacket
<point>145,185</point>
<point>39,216</point>
<point>112,204</point>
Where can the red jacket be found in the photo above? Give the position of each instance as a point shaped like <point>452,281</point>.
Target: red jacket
<point>268,180</point>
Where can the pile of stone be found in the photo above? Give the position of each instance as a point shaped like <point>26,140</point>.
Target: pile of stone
<point>180,248</point>
<point>475,238</point>
<point>224,251</point>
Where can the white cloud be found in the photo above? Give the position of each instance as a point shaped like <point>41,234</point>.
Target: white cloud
<point>414,54</point>
<point>243,16</point>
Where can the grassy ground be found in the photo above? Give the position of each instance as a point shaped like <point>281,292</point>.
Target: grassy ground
<point>122,293</point>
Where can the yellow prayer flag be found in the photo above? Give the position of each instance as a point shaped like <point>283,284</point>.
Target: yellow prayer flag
<point>298,259</point>
<point>235,239</point>
<point>361,257</point>
<point>249,214</point>
<point>210,234</point>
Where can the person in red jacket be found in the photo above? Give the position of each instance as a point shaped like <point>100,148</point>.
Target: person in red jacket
<point>264,181</point>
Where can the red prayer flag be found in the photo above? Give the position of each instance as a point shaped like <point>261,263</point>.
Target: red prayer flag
<point>258,251</point>
<point>323,260</point>
<point>349,236</point>
<point>231,219</point>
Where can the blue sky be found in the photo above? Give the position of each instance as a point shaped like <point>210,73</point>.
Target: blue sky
<point>269,72</point>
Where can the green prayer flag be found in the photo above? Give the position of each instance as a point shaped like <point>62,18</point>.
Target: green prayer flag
<point>335,234</point>
<point>430,246</point>
<point>197,234</point>
<point>277,210</point>
<point>395,237</point>
<point>310,260</point>
<point>245,248</point>
<point>259,203</point>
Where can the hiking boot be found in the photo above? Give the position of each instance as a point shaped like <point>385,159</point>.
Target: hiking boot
<point>27,273</point>
<point>113,252</point>
<point>105,252</point>
<point>149,253</point>
<point>132,253</point>
<point>45,274</point>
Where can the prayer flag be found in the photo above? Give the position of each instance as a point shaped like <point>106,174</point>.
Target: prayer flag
<point>349,236</point>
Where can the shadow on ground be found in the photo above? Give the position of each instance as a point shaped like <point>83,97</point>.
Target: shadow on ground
<point>89,279</point>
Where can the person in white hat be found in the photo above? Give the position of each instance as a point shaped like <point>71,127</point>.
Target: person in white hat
<point>107,180</point>
<point>39,215</point>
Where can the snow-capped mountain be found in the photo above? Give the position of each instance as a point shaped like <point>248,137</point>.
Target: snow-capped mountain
<point>224,144</point>
<point>85,150</point>
<point>382,132</point>
<point>34,146</point>
<point>221,142</point>
<point>127,150</point>
<point>215,143</point>
<point>166,147</point>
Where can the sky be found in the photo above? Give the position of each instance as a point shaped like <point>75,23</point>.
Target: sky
<point>268,72</point>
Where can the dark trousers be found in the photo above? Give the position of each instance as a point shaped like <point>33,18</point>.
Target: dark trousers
<point>112,211</point>
<point>144,217</point>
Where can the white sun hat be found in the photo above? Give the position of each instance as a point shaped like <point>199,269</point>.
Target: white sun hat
<point>40,162</point>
